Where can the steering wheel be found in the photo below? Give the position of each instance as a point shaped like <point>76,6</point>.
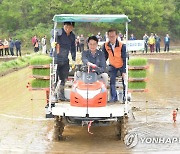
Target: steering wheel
<point>84,68</point>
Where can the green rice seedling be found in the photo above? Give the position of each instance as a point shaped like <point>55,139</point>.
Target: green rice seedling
<point>19,63</point>
<point>6,65</point>
<point>27,57</point>
<point>22,59</point>
<point>41,71</point>
<point>38,83</point>
<point>40,60</point>
<point>137,73</point>
<point>137,85</point>
<point>13,63</point>
<point>138,62</point>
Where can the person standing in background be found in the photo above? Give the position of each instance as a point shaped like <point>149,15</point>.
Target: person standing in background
<point>1,48</point>
<point>106,39</point>
<point>121,36</point>
<point>77,43</point>
<point>132,38</point>
<point>157,41</point>
<point>81,43</point>
<point>11,46</point>
<point>43,42</point>
<point>36,45</point>
<point>6,47</point>
<point>145,38</point>
<point>18,47</point>
<point>166,43</point>
<point>33,40</point>
<point>151,42</point>
<point>99,37</point>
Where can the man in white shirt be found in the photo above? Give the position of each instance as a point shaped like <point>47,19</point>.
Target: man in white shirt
<point>43,42</point>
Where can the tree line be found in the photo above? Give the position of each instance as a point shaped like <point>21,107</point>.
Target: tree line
<point>25,18</point>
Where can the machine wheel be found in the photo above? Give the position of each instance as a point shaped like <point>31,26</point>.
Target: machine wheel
<point>121,127</point>
<point>58,128</point>
<point>49,115</point>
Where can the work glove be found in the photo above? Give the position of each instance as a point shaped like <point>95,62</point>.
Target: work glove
<point>53,44</point>
<point>73,64</point>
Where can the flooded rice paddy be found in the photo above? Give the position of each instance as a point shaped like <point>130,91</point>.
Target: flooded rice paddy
<point>24,128</point>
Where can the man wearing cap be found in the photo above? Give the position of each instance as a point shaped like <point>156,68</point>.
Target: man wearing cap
<point>65,44</point>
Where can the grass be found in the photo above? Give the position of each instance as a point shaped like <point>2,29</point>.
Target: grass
<point>138,62</point>
<point>38,83</point>
<point>41,71</point>
<point>17,63</point>
<point>20,62</point>
<point>137,85</point>
<point>40,60</point>
<point>137,73</point>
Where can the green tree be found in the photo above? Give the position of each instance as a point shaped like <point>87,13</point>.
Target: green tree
<point>18,17</point>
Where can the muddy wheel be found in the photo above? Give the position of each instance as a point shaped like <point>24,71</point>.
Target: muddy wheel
<point>121,127</point>
<point>58,128</point>
<point>49,115</point>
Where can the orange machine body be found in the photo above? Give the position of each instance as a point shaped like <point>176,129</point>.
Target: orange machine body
<point>91,94</point>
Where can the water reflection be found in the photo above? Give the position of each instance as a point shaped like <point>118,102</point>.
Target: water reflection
<point>164,80</point>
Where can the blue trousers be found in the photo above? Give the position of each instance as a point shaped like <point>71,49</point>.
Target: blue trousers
<point>113,73</point>
<point>166,48</point>
<point>158,47</point>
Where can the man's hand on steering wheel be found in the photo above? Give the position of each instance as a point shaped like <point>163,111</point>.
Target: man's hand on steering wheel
<point>91,65</point>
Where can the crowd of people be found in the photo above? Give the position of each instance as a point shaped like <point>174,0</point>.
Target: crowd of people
<point>37,44</point>
<point>82,42</point>
<point>7,47</point>
<point>154,41</point>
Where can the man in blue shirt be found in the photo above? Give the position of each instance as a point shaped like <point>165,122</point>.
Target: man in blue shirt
<point>132,38</point>
<point>166,42</point>
<point>95,58</point>
<point>18,47</point>
<point>11,46</point>
<point>65,44</point>
<point>157,42</point>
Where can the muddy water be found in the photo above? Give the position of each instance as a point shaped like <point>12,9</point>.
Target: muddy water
<point>24,128</point>
<point>153,117</point>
